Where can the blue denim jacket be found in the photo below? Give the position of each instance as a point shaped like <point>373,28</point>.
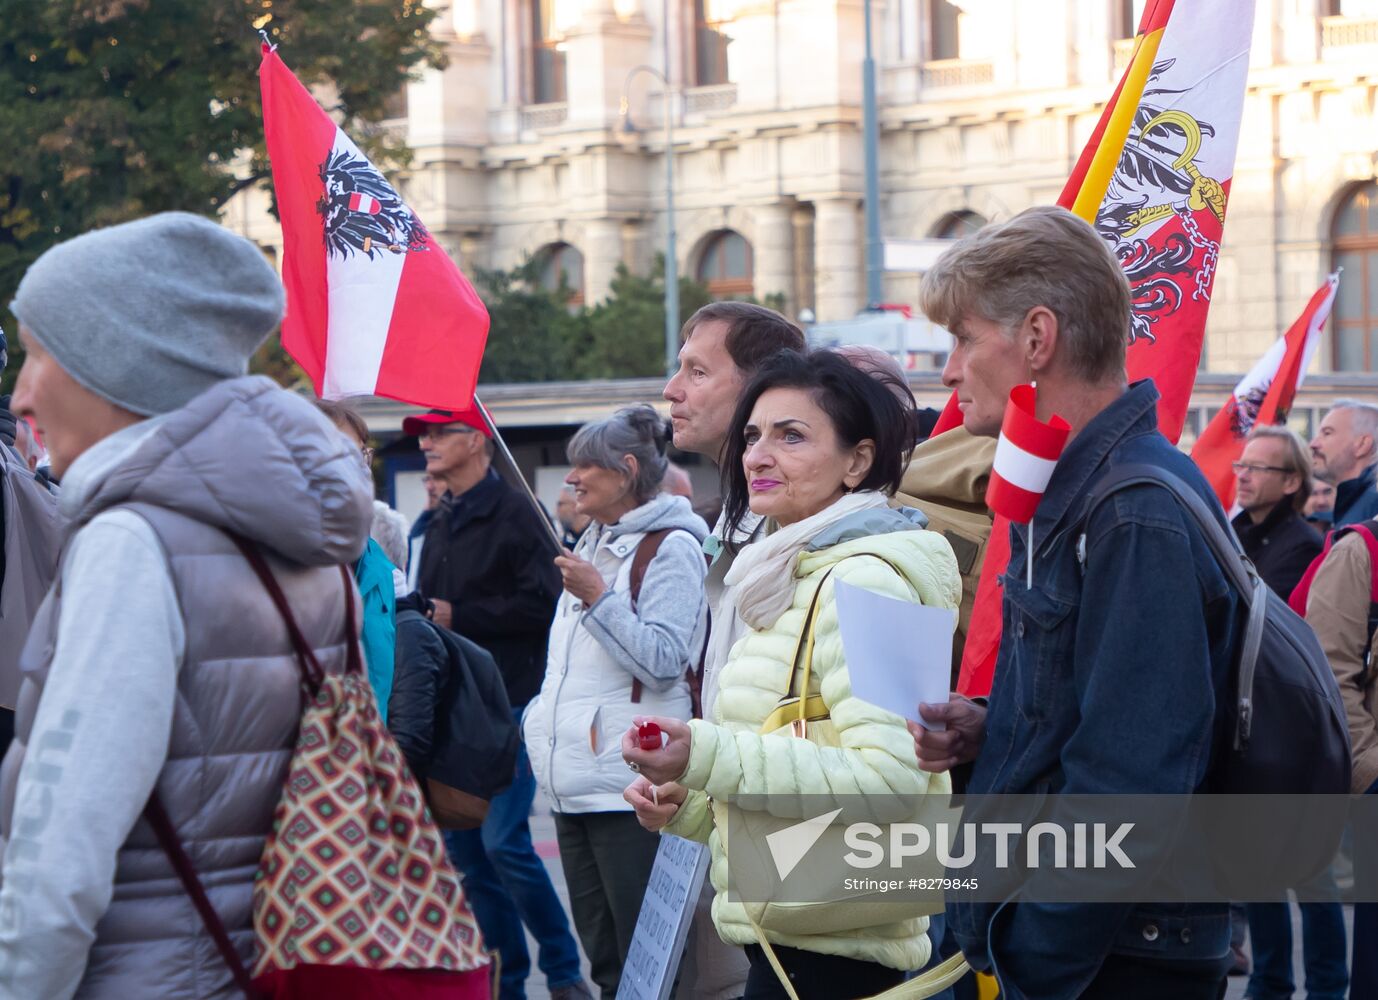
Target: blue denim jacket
<point>1106,682</point>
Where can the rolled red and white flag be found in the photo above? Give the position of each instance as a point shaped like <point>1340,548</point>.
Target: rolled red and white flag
<point>1025,457</point>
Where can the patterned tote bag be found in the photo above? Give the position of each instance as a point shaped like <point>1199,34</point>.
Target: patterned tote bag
<point>354,897</point>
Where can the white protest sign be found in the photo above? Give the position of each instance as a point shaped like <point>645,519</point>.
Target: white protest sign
<point>667,909</point>
<point>899,653</point>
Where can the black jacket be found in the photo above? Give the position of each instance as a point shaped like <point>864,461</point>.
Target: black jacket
<point>448,711</point>
<point>488,555</point>
<point>1281,546</point>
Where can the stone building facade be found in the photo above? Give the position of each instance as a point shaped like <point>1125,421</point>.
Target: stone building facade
<point>541,138</point>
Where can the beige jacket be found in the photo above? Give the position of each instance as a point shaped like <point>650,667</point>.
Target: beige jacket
<point>1337,608</point>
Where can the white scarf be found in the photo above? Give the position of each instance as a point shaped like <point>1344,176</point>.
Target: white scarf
<point>762,575</point>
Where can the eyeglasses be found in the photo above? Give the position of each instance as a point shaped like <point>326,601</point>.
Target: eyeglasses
<point>1242,467</point>
<point>368,454</point>
<point>435,433</point>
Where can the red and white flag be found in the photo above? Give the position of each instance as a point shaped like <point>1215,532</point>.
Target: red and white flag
<point>1154,180</point>
<point>374,305</point>
<point>1264,395</point>
<point>1025,457</point>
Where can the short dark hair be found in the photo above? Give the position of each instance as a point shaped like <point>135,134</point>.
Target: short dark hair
<point>754,333</point>
<point>859,406</point>
<point>343,415</point>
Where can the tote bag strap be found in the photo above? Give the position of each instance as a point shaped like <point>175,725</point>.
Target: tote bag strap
<point>926,984</point>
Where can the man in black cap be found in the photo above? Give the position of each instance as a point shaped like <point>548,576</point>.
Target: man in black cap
<point>488,573</point>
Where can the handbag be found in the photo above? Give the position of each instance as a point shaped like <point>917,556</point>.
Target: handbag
<point>801,715</point>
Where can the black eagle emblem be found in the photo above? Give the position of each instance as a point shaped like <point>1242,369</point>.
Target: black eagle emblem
<point>362,212</point>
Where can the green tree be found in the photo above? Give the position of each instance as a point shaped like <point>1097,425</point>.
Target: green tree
<point>114,109</point>
<point>627,330</point>
<point>533,336</point>
<point>536,337</point>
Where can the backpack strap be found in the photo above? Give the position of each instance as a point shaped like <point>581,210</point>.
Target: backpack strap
<point>1229,556</point>
<point>166,833</point>
<point>312,676</point>
<point>646,550</point>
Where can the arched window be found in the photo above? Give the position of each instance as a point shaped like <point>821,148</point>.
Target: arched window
<point>955,225</point>
<point>1356,306</point>
<point>725,265</point>
<point>563,266</point>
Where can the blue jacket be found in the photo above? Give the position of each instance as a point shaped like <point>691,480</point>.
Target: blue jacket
<point>1106,682</point>
<point>1356,499</point>
<point>373,574</point>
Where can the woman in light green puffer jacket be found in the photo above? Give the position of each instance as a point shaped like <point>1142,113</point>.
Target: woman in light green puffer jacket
<point>817,446</point>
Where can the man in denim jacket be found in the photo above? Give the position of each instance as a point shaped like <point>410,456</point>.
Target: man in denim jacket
<point>1109,668</point>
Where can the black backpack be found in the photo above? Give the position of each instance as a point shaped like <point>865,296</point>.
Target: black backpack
<point>1285,730</point>
<point>474,746</point>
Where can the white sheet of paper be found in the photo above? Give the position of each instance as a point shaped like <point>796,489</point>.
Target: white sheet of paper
<point>898,653</point>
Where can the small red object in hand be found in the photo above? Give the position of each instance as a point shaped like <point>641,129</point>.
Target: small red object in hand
<point>648,736</point>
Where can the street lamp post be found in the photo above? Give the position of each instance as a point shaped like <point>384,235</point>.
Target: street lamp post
<point>671,262</point>
<point>871,140</point>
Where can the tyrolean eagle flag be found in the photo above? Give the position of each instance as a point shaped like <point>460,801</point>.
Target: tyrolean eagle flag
<point>1154,180</point>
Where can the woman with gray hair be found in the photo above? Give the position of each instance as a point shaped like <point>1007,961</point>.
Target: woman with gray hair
<point>627,632</point>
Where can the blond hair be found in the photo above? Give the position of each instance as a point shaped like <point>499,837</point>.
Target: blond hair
<point>1048,257</point>
<point>1298,459</point>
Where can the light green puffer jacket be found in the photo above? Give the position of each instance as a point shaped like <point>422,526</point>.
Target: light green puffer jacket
<point>876,757</point>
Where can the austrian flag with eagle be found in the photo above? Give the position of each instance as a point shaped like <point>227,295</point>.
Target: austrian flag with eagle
<point>374,305</point>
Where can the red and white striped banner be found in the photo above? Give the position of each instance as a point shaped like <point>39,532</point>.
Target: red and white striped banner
<point>1025,457</point>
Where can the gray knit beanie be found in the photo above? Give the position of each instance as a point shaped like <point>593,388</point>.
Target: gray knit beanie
<point>150,314</point>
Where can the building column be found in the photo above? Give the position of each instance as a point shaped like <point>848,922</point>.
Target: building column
<point>837,258</point>
<point>602,249</point>
<point>773,255</point>
<point>802,221</point>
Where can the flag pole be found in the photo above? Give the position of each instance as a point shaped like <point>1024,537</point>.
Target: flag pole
<point>530,494</point>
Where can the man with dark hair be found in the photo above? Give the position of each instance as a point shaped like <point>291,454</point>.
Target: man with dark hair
<point>1110,663</point>
<point>488,571</point>
<point>724,345</point>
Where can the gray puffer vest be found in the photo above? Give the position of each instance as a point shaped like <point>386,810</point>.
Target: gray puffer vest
<point>251,458</point>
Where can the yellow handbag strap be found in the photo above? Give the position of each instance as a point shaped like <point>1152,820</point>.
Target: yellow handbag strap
<point>803,707</point>
<point>808,706</point>
<point>926,984</point>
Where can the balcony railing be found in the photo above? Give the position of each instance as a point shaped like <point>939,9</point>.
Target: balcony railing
<point>1123,49</point>
<point>947,74</point>
<point>1346,32</point>
<point>701,100</point>
<point>539,116</point>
